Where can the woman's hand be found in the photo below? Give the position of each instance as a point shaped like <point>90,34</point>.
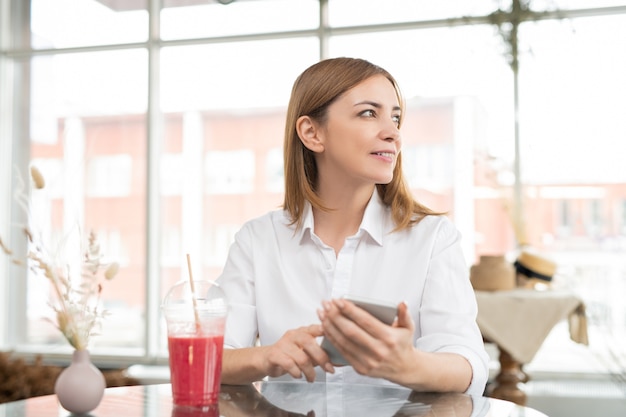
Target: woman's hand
<point>370,346</point>
<point>296,353</point>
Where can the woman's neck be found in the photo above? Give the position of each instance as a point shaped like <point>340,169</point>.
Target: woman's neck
<point>344,218</point>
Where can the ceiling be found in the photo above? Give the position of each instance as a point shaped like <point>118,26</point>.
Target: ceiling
<point>127,5</point>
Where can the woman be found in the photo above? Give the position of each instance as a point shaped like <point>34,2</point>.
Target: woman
<point>349,225</point>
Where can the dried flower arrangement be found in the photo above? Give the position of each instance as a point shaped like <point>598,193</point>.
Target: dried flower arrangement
<point>76,296</point>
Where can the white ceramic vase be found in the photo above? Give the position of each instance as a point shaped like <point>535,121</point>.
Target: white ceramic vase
<point>81,385</point>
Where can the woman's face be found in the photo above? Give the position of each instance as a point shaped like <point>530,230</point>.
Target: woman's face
<point>361,140</point>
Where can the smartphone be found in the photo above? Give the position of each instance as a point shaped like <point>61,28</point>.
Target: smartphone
<point>382,310</point>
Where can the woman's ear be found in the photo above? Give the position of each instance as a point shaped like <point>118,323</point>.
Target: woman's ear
<point>309,134</point>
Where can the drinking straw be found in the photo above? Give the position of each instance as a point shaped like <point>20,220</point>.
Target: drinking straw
<point>193,296</point>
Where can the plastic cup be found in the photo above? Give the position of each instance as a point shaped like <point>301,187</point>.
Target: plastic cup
<point>195,333</point>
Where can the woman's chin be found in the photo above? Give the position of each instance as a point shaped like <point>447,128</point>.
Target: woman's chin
<point>384,180</point>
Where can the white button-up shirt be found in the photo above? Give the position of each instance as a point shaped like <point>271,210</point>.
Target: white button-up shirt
<point>276,277</point>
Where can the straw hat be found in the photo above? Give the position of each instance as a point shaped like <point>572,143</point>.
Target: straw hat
<point>533,268</point>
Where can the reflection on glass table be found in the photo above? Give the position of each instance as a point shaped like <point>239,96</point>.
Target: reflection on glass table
<point>275,399</point>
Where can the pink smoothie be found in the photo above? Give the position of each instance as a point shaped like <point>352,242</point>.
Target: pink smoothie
<point>196,368</point>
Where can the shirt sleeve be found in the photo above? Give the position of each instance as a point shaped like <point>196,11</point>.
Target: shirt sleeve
<point>237,281</point>
<point>448,309</point>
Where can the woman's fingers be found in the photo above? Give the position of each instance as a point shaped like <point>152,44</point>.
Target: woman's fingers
<point>404,317</point>
<point>369,345</point>
<point>297,353</point>
<point>345,333</point>
<point>352,324</point>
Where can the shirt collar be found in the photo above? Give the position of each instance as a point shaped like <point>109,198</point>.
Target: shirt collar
<point>307,222</point>
<point>373,222</point>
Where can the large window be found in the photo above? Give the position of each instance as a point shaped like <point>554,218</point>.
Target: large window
<point>161,130</point>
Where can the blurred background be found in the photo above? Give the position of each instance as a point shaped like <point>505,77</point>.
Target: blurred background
<point>158,124</point>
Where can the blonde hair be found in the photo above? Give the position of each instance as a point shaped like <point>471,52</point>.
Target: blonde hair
<point>312,93</point>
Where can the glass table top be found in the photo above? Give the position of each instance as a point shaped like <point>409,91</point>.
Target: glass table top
<point>282,399</point>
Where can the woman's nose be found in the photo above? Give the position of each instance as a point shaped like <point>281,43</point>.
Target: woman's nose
<point>390,130</point>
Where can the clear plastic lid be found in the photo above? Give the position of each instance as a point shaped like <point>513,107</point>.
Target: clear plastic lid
<point>207,299</point>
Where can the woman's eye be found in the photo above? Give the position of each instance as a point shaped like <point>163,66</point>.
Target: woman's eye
<point>396,120</point>
<point>368,113</point>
